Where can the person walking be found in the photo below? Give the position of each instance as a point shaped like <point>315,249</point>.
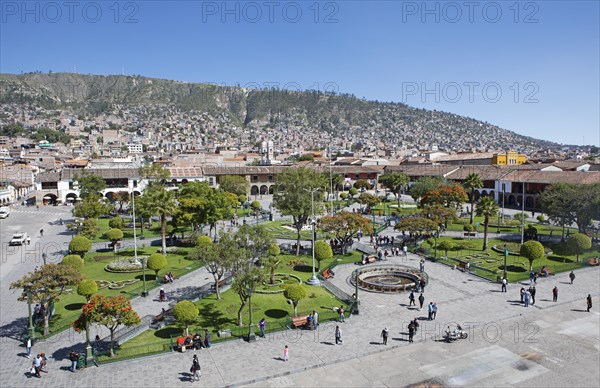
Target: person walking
<point>286,353</point>
<point>411,299</point>
<point>504,284</point>
<point>589,302</point>
<point>261,325</point>
<point>195,369</point>
<point>206,339</point>
<point>429,311</point>
<point>338,335</point>
<point>384,335</point>
<point>37,366</point>
<point>572,276</point>
<point>555,294</point>
<point>405,250</point>
<point>531,276</point>
<point>411,332</point>
<point>422,285</point>
<point>42,232</point>
<point>422,265</point>
<point>421,301</point>
<point>341,312</point>
<point>415,323</point>
<point>434,308</point>
<point>28,344</point>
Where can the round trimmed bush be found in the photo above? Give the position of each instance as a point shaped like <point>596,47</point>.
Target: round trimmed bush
<point>74,261</point>
<point>116,223</point>
<point>87,288</point>
<point>80,245</point>
<point>157,262</point>
<point>204,241</point>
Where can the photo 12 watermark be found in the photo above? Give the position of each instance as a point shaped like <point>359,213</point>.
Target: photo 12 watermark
<point>326,12</point>
<point>69,12</point>
<point>470,12</point>
<point>469,91</point>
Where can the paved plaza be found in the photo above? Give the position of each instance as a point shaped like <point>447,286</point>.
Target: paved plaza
<point>547,344</point>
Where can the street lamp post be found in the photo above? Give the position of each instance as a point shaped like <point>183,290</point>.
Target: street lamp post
<point>505,256</point>
<point>44,257</point>
<point>251,335</point>
<point>144,261</point>
<point>313,281</point>
<point>89,357</point>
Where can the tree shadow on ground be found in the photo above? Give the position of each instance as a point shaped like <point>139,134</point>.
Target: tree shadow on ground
<point>74,306</point>
<point>211,316</point>
<point>559,259</point>
<point>63,353</point>
<point>150,277</point>
<point>513,268</point>
<point>167,332</point>
<point>15,329</point>
<point>276,313</point>
<point>303,268</point>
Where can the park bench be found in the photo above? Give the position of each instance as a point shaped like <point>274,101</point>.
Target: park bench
<point>327,274</point>
<point>464,266</point>
<point>219,283</point>
<point>299,321</point>
<point>593,261</point>
<point>112,245</point>
<point>184,342</point>
<point>470,234</point>
<point>226,333</point>
<point>548,273</point>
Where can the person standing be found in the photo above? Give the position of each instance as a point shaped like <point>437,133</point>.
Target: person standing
<point>338,335</point>
<point>531,276</point>
<point>522,295</point>
<point>411,299</point>
<point>37,365</point>
<point>434,310</point>
<point>206,339</point>
<point>421,301</point>
<point>555,294</point>
<point>415,323</point>
<point>195,369</point>
<point>341,312</point>
<point>504,284</point>
<point>262,324</point>
<point>422,265</point>
<point>384,335</point>
<point>28,344</point>
<point>422,285</point>
<point>286,353</point>
<point>589,302</point>
<point>532,291</point>
<point>405,250</point>
<point>526,298</point>
<point>429,311</point>
<point>572,276</point>
<point>411,332</point>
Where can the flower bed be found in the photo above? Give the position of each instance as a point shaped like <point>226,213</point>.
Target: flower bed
<point>281,281</point>
<point>126,264</point>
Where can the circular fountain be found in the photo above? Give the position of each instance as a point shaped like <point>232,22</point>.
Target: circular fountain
<point>387,278</point>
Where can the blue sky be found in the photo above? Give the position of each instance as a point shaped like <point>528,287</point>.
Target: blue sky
<point>530,67</point>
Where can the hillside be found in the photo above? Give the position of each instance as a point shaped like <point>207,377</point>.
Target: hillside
<point>236,115</point>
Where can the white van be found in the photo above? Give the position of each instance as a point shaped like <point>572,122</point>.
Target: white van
<point>4,212</point>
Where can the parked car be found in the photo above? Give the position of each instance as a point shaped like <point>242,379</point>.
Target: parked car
<point>4,212</point>
<point>18,239</point>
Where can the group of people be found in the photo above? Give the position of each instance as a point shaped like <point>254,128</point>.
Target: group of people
<point>169,278</point>
<point>39,365</point>
<point>312,322</point>
<point>528,295</point>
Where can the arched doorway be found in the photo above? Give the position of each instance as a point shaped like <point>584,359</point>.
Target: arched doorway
<point>49,199</point>
<point>512,201</point>
<point>271,189</point>
<point>264,189</point>
<point>254,190</point>
<point>70,198</point>
<point>110,196</point>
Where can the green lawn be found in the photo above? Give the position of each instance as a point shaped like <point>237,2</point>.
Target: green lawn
<point>492,263</point>
<point>222,314</point>
<point>277,230</point>
<point>127,232</point>
<point>69,307</point>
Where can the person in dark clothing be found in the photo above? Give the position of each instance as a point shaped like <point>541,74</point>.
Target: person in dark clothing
<point>555,294</point>
<point>421,301</point>
<point>411,299</point>
<point>589,302</point>
<point>411,332</point>
<point>384,335</point>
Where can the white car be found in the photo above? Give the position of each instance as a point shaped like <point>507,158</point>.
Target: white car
<point>19,239</point>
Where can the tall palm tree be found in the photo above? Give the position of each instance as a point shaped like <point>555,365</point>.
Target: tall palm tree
<point>486,208</point>
<point>472,182</point>
<point>163,204</point>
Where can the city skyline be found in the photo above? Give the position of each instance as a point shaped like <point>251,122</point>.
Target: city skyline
<point>529,67</point>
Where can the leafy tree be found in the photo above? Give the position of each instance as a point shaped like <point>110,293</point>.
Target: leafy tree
<point>469,228</point>
<point>114,236</point>
<point>449,196</point>
<point>202,204</point>
<point>446,245</point>
<point>161,202</point>
<point>242,198</point>
<point>322,252</point>
<point>344,225</point>
<point>362,184</point>
<point>90,185</point>
<point>87,288</point>
<point>246,277</point>
<point>271,261</point>
<point>293,196</point>
<point>235,184</point>
<point>110,312</point>
<point>185,312</point>
<point>80,245</point>
<point>91,207</point>
<point>424,185</point>
<point>156,262</point>
<point>487,208</point>
<point>353,191</point>
<point>74,261</point>
<point>217,258</point>
<point>416,225</point>
<point>532,250</point>
<point>369,200</point>
<point>143,211</point>
<point>46,286</point>
<point>89,228</point>
<point>587,205</point>
<point>557,202</point>
<point>306,158</point>
<point>441,215</point>
<point>343,195</point>
<point>531,232</point>
<point>256,206</point>
<point>394,182</point>
<point>578,243</point>
<point>472,182</point>
<point>155,172</point>
<point>295,293</point>
<point>116,223</point>
<point>253,241</point>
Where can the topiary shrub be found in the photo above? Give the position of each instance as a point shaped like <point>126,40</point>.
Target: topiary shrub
<point>116,223</point>
<point>157,262</point>
<point>80,245</point>
<point>74,261</point>
<point>87,288</point>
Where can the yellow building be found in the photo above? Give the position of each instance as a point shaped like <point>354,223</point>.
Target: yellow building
<point>509,158</point>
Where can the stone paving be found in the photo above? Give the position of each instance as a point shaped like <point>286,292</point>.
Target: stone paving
<point>361,360</point>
